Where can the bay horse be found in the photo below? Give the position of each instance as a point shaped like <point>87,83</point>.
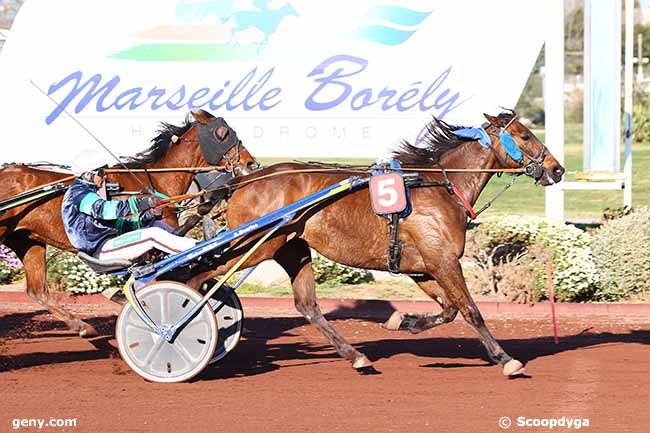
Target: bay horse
<point>347,230</point>
<point>29,228</point>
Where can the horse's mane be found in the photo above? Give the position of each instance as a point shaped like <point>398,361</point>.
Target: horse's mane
<point>160,144</point>
<point>438,139</point>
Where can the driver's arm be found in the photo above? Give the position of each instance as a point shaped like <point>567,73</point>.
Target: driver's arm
<point>95,206</point>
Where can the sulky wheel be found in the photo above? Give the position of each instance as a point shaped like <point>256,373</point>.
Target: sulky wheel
<point>149,354</point>
<point>230,317</point>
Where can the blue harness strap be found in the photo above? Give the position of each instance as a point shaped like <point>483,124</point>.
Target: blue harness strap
<point>479,134</point>
<point>482,136</point>
<point>511,147</point>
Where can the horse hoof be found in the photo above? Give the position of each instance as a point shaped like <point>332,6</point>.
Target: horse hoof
<point>393,322</point>
<point>88,332</point>
<point>368,371</point>
<point>361,363</point>
<point>513,368</point>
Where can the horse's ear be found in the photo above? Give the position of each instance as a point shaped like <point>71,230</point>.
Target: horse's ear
<point>202,116</point>
<point>493,120</point>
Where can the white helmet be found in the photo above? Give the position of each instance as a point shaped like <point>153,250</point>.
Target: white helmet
<point>88,160</point>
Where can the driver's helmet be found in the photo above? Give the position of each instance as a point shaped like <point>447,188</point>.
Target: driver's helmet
<point>89,161</point>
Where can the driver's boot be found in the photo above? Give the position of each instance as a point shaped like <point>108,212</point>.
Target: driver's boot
<point>210,229</point>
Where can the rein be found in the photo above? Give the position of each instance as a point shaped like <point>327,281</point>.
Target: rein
<point>487,205</point>
<point>171,201</point>
<point>164,170</point>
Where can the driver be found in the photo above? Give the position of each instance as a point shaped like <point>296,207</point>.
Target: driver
<point>113,229</point>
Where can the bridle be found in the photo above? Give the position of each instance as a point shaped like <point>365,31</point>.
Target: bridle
<point>233,163</point>
<point>533,168</point>
<point>216,140</point>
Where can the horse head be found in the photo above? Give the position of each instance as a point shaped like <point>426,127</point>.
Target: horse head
<point>520,148</point>
<point>220,145</point>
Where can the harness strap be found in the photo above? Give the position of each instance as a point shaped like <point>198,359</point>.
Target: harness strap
<point>152,189</point>
<point>464,201</point>
<point>498,157</point>
<point>394,245</point>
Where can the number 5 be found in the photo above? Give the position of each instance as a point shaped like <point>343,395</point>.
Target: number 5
<point>386,193</point>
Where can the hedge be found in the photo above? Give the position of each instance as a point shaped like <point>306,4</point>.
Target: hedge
<point>331,273</point>
<point>621,249</point>
<point>529,241</point>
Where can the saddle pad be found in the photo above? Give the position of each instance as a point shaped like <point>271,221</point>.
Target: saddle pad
<point>388,194</point>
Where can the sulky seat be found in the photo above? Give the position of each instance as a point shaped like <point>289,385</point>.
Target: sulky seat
<point>103,266</point>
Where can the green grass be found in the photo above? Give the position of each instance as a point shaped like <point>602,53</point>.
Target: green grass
<point>527,198</point>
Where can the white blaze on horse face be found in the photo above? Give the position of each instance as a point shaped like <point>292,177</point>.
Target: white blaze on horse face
<point>549,179</point>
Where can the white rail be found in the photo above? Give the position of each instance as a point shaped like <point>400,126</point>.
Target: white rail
<point>554,107</point>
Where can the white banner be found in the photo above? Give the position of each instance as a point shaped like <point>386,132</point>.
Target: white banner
<point>295,78</point>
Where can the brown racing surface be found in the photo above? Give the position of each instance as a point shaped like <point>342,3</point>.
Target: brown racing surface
<point>284,377</point>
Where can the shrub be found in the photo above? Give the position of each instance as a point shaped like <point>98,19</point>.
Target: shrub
<point>11,268</point>
<point>530,242</point>
<point>574,106</point>
<point>621,250</point>
<point>512,272</point>
<point>331,273</point>
<point>66,271</point>
<point>640,118</point>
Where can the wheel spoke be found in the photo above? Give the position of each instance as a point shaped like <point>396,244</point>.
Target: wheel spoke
<point>183,352</point>
<point>154,351</point>
<point>141,326</point>
<point>164,305</point>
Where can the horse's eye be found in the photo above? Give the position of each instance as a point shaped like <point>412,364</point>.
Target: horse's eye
<point>525,137</point>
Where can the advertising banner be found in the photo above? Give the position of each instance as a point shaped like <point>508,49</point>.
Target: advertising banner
<point>295,78</point>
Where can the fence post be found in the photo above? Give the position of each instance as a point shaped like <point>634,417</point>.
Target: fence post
<point>554,103</point>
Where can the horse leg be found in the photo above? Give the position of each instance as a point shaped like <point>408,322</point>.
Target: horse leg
<point>448,273</point>
<point>32,254</point>
<point>416,323</point>
<point>295,258</point>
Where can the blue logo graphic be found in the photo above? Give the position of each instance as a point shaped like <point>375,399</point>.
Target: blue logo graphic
<point>264,19</point>
<point>392,16</point>
<point>197,35</point>
<point>189,11</point>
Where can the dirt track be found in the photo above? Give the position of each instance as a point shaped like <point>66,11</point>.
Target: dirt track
<point>283,377</point>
